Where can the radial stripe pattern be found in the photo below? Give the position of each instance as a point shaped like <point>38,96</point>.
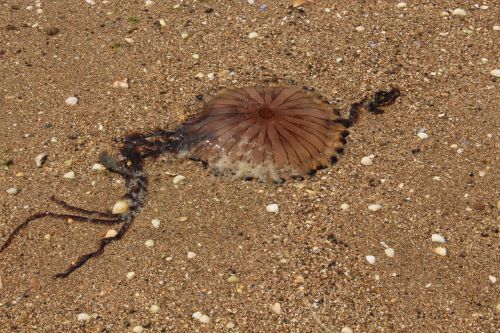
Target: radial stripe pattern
<point>270,133</point>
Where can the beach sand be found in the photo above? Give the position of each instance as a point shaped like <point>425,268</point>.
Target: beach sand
<point>311,257</point>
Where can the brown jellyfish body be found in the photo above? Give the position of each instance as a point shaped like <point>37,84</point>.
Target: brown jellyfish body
<point>274,133</point>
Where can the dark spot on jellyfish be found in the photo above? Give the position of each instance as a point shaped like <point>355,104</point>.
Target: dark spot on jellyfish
<point>267,133</point>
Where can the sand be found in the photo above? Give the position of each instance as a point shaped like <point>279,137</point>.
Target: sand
<point>311,256</point>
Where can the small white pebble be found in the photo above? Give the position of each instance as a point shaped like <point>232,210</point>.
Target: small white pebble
<point>40,159</point>
<point>39,11</point>
<point>496,27</point>
<point>360,28</point>
<point>148,3</point>
<point>83,316</point>
<point>253,35</point>
<point>90,2</point>
<point>184,35</point>
<point>71,100</point>
<point>371,259</point>
<point>130,275</point>
<point>389,252</point>
<point>149,243</point>
<point>204,319</point>
<point>138,329</point>
<point>366,160</point>
<point>154,308</point>
<point>374,207</point>
<point>401,5</point>
<point>178,179</point>
<point>210,76</point>
<point>123,84</point>
<point>162,22</point>
<point>98,167</point>
<point>195,56</point>
<point>156,223</point>
<point>12,191</point>
<point>121,207</point>
<point>495,72</point>
<point>276,308</point>
<point>197,315</point>
<point>440,251</point>
<point>110,233</point>
<point>69,175</point>
<point>346,329</point>
<point>423,135</point>
<point>458,12</point>
<point>191,255</point>
<point>492,279</point>
<point>230,325</point>
<point>344,206</point>
<point>438,238</point>
<point>273,208</point>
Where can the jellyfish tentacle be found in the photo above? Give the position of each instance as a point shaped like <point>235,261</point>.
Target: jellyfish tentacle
<point>67,206</point>
<point>374,105</point>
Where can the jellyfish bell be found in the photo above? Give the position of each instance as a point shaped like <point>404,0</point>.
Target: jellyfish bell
<point>268,133</point>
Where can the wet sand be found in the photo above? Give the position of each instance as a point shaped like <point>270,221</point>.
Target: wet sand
<point>311,256</point>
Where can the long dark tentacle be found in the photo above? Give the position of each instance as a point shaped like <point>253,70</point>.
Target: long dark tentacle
<point>41,215</point>
<point>136,148</point>
<point>64,204</point>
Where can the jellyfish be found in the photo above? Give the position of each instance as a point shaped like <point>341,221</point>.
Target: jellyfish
<point>271,134</point>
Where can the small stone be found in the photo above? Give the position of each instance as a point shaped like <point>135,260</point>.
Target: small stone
<point>69,175</point>
<point>156,223</point>
<point>423,135</point>
<point>495,72</point>
<point>71,100</point>
<point>122,84</point>
<point>184,35</point>
<point>197,315</point>
<point>346,329</point>
<point>276,308</point>
<point>121,207</point>
<point>230,325</point>
<point>210,76</point>
<point>440,251</point>
<point>191,255</point>
<point>438,238</point>
<point>492,279</point>
<point>162,22</point>
<point>178,179</point>
<point>204,319</point>
<point>40,159</point>
<point>389,252</point>
<point>344,206</point>
<point>98,167</point>
<point>195,56</point>
<point>496,27</point>
<point>182,219</point>
<point>83,316</point>
<point>130,275</point>
<point>401,5</point>
<point>138,329</point>
<point>110,233</point>
<point>458,12</point>
<point>253,35</point>
<point>299,279</point>
<point>360,28</point>
<point>154,308</point>
<point>371,259</point>
<point>374,207</point>
<point>272,208</point>
<point>148,3</point>
<point>47,236</point>
<point>233,279</point>
<point>366,160</point>
<point>149,243</point>
<point>12,191</point>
